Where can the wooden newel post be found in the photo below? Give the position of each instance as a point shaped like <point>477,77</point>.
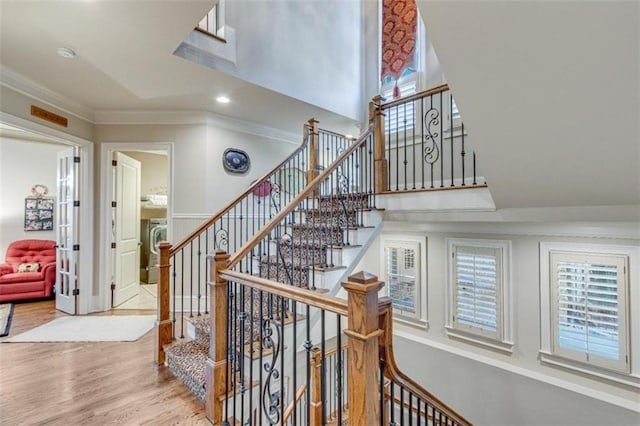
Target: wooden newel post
<point>164,325</point>
<point>316,389</point>
<point>363,362</point>
<point>379,161</point>
<point>314,142</point>
<point>217,363</point>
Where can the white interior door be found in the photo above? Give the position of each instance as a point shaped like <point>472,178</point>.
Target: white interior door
<point>67,231</point>
<point>126,271</point>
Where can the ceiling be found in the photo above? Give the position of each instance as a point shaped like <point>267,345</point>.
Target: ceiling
<point>550,94</point>
<point>125,61</point>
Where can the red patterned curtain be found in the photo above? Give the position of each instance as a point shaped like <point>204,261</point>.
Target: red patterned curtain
<point>399,23</point>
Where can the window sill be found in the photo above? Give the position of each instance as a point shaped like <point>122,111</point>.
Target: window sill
<point>412,322</point>
<point>497,345</point>
<point>621,378</point>
<point>212,35</point>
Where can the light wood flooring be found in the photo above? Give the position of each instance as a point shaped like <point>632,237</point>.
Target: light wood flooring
<point>106,383</point>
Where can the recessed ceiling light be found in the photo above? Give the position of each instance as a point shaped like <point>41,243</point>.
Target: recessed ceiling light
<point>66,52</point>
<point>348,136</point>
<point>223,99</point>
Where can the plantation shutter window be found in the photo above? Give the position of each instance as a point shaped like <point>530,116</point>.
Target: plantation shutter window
<point>477,274</point>
<point>590,308</point>
<point>402,276</point>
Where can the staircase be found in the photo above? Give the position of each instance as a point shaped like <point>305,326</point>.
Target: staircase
<point>267,340</point>
<point>319,250</point>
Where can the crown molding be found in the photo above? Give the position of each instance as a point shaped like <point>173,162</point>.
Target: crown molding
<point>143,117</point>
<point>112,117</point>
<point>25,86</point>
<point>255,129</point>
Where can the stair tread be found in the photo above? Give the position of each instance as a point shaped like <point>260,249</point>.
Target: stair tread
<point>337,227</point>
<point>316,245</point>
<point>187,361</point>
<point>328,268</point>
<point>275,260</point>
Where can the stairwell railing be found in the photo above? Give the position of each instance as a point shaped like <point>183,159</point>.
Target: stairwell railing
<point>257,314</point>
<point>182,289</point>
<point>426,145</point>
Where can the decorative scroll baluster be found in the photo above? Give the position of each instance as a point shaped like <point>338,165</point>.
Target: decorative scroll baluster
<point>417,138</point>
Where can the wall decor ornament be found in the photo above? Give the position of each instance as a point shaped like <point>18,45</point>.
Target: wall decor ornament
<point>39,190</point>
<point>235,161</point>
<point>263,189</point>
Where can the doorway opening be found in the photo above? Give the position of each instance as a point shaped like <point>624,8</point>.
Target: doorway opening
<point>138,219</point>
<point>46,184</point>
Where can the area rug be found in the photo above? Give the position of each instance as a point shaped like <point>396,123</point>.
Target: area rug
<point>115,328</point>
<point>6,315</point>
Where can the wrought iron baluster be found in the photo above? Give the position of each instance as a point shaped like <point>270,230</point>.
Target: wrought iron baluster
<point>451,134</point>
<point>191,279</point>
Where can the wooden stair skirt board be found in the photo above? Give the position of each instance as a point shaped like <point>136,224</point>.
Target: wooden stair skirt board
<point>305,252</point>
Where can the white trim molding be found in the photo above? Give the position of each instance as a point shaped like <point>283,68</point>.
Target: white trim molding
<point>25,86</point>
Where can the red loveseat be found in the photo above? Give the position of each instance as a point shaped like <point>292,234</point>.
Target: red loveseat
<point>16,285</point>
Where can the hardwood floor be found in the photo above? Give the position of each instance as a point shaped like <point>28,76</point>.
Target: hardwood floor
<point>104,383</point>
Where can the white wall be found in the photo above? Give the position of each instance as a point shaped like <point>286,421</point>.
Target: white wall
<point>22,165</point>
<point>491,387</point>
<point>313,51</point>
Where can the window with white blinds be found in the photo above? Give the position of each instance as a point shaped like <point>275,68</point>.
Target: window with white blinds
<point>479,292</point>
<point>590,308</point>
<point>477,281</point>
<point>402,277</point>
<point>401,117</point>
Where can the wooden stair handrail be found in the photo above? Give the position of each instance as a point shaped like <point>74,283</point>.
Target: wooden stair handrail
<point>194,234</point>
<point>309,190</point>
<point>332,351</point>
<point>424,93</point>
<point>289,410</point>
<point>393,373</point>
<point>329,303</point>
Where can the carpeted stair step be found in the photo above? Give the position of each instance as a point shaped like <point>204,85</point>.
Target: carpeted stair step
<point>350,201</point>
<point>273,268</point>
<point>300,252</point>
<point>201,327</point>
<point>188,362</point>
<point>332,217</point>
<point>320,234</point>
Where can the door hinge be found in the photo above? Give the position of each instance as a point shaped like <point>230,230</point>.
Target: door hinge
<point>114,163</point>
<point>114,204</point>
<point>113,245</point>
<point>76,203</point>
<point>113,286</point>
<point>76,291</point>
<point>76,247</point>
<point>76,159</point>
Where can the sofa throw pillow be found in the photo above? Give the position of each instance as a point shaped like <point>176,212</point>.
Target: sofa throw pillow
<point>28,267</point>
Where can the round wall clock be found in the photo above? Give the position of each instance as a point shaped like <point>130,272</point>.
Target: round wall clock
<point>235,161</point>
